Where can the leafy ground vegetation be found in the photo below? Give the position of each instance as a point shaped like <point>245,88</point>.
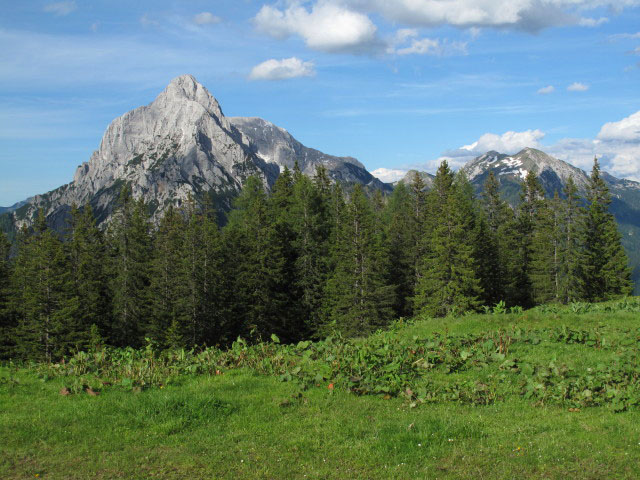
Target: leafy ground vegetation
<point>552,392</point>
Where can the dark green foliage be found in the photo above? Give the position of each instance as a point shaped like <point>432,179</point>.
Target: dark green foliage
<point>130,254</point>
<point>87,256</point>
<point>301,262</point>
<point>5,276</point>
<point>605,271</point>
<point>358,300</point>
<point>44,303</point>
<point>168,288</point>
<point>206,290</point>
<point>571,224</point>
<point>257,261</point>
<point>400,238</point>
<point>448,284</point>
<point>311,224</point>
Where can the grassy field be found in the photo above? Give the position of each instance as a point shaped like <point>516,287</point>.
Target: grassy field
<point>538,394</point>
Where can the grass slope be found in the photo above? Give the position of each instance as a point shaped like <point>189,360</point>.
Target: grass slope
<point>246,424</point>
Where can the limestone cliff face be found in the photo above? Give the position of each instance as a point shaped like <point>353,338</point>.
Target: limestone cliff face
<point>179,145</point>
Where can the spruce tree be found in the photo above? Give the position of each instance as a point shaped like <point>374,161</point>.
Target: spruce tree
<point>400,244</point>
<point>87,254</point>
<point>130,253</point>
<point>311,225</point>
<point>43,288</point>
<point>285,293</point>
<point>358,299</point>
<point>168,291</point>
<point>492,253</point>
<point>448,284</point>
<point>419,228</point>
<point>208,294</point>
<point>605,271</point>
<point>544,260</point>
<point>256,265</point>
<point>6,324</point>
<point>571,225</point>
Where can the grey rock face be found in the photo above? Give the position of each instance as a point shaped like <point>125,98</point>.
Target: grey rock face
<point>180,145</point>
<point>275,145</point>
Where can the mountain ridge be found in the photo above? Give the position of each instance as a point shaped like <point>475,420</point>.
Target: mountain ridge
<point>182,145</point>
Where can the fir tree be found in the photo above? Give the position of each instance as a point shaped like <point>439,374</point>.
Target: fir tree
<point>311,225</point>
<point>570,245</point>
<point>168,286</point>
<point>87,255</point>
<point>448,284</point>
<point>6,324</point>
<point>544,260</point>
<point>605,271</point>
<point>400,242</point>
<point>130,252</point>
<point>491,250</point>
<point>207,292</point>
<point>256,265</point>
<point>358,300</point>
<point>46,329</point>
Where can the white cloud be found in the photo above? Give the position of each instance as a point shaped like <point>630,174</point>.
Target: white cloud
<point>430,46</point>
<point>508,142</point>
<point>635,51</point>
<point>326,27</point>
<point>282,69</point>
<point>577,87</point>
<point>626,130</point>
<point>206,18</point>
<point>592,22</point>
<point>546,90</point>
<point>389,175</point>
<point>61,8</point>
<point>528,15</point>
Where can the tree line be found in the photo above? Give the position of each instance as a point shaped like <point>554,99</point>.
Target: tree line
<point>304,261</point>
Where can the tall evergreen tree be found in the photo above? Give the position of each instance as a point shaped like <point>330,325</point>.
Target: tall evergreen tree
<point>87,255</point>
<point>400,242</point>
<point>43,289</point>
<point>311,225</point>
<point>420,230</point>
<point>6,324</point>
<point>605,271</point>
<point>168,288</point>
<point>256,265</point>
<point>448,284</point>
<point>571,225</point>
<point>544,266</point>
<point>492,253</point>
<point>130,251</point>
<point>208,291</point>
<point>358,300</point>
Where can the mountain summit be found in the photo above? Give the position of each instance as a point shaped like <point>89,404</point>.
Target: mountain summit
<point>181,144</point>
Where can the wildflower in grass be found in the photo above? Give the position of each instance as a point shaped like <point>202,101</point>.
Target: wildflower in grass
<point>330,386</point>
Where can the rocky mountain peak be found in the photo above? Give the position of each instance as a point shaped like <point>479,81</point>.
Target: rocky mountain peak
<point>186,92</point>
<point>179,146</point>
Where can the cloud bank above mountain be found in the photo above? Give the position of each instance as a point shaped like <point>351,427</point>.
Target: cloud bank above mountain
<point>617,146</point>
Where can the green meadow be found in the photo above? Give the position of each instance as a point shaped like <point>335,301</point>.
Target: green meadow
<point>552,392</point>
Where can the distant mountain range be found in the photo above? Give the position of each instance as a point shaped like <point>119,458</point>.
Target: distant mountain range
<point>553,173</point>
<point>182,144</point>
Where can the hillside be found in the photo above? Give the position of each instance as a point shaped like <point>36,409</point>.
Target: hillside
<point>545,393</point>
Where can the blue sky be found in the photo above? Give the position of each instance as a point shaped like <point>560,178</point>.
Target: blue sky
<point>397,84</point>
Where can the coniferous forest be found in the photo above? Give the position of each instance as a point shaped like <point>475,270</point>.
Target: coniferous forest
<point>301,262</point>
